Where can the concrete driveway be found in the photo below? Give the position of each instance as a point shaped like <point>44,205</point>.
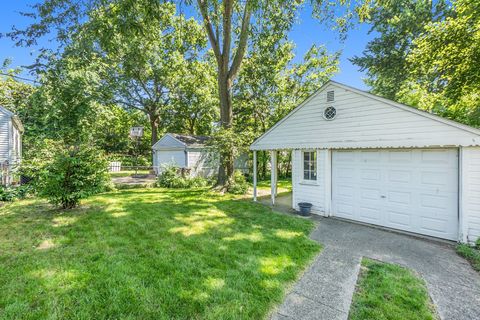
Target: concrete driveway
<point>325,290</point>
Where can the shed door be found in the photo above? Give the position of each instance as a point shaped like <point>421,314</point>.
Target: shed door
<point>415,190</point>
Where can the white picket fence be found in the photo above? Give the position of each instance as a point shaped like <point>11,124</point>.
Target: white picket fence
<point>115,166</point>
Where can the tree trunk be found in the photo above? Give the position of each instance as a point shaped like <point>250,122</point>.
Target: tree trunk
<point>289,164</point>
<point>264,164</point>
<point>154,127</point>
<point>226,169</point>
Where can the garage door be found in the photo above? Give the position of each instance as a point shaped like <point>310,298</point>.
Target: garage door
<point>171,157</point>
<point>414,190</point>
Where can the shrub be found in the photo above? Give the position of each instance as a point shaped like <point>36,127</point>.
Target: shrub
<point>24,191</point>
<point>239,185</point>
<point>170,177</point>
<point>73,173</point>
<point>7,193</point>
<point>13,193</point>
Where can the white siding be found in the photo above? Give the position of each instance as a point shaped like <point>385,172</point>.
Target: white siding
<point>201,162</point>
<point>470,189</point>
<point>5,122</point>
<point>309,191</point>
<point>361,122</point>
<point>16,145</point>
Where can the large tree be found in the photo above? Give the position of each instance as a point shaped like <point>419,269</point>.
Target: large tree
<point>227,24</point>
<point>273,80</point>
<point>144,64</point>
<point>444,66</point>
<point>396,24</point>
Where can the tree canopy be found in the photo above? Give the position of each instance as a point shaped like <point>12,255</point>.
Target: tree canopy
<point>212,73</point>
<point>426,55</point>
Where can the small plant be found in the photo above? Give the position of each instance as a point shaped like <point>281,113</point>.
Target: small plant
<point>14,193</point>
<point>74,173</point>
<point>239,184</point>
<point>471,253</point>
<point>171,177</point>
<point>7,193</point>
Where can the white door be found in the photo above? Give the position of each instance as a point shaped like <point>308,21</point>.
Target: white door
<point>414,190</point>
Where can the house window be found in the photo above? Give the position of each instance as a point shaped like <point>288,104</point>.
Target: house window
<point>329,113</point>
<point>310,165</point>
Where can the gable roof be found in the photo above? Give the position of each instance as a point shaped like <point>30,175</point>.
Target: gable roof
<point>191,141</point>
<point>314,103</point>
<point>6,111</point>
<point>181,141</point>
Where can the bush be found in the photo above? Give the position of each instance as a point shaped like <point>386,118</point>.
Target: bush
<point>239,184</point>
<point>170,177</point>
<point>7,193</point>
<point>13,193</point>
<point>73,173</point>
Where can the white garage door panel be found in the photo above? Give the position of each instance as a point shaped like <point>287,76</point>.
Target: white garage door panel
<point>414,190</point>
<point>171,157</point>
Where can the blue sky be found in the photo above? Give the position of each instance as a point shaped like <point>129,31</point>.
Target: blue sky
<point>307,32</point>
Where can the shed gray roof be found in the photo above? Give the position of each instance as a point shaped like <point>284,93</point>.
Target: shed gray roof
<point>191,140</point>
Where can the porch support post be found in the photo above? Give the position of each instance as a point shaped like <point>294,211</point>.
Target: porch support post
<point>254,175</point>
<point>273,175</point>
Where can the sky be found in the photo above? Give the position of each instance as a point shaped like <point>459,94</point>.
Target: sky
<point>306,32</point>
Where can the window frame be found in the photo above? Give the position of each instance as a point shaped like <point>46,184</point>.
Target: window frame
<point>310,174</point>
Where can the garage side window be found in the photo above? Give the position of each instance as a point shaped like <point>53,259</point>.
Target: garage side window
<point>310,165</point>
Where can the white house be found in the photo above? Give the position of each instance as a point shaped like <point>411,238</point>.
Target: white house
<point>11,130</point>
<point>361,157</point>
<point>190,152</point>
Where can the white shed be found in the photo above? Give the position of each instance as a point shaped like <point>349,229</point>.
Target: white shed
<point>361,157</point>
<point>183,151</point>
<point>190,152</point>
<point>11,130</point>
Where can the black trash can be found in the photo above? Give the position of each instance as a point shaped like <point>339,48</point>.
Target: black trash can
<point>305,208</point>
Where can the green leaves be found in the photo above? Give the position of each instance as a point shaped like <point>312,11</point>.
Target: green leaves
<point>397,24</point>
<point>72,174</point>
<point>444,65</point>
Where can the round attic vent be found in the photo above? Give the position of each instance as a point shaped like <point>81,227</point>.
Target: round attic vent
<point>329,113</point>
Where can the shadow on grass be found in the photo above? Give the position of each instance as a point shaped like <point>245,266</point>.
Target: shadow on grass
<point>151,253</point>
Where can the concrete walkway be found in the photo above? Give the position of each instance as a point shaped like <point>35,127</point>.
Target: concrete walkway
<point>325,290</point>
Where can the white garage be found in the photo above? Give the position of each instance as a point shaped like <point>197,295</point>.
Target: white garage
<point>360,157</point>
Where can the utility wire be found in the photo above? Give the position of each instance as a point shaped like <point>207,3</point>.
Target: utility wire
<point>19,78</point>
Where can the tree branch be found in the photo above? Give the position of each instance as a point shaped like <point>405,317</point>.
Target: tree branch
<point>202,4</point>
<point>242,44</point>
<point>227,33</point>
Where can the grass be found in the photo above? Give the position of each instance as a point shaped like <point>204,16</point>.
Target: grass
<point>388,291</point>
<point>284,185</point>
<point>127,173</point>
<point>148,254</point>
<point>471,253</point>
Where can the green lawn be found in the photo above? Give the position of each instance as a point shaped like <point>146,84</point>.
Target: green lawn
<point>388,291</point>
<point>471,253</point>
<point>284,185</point>
<point>148,254</point>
